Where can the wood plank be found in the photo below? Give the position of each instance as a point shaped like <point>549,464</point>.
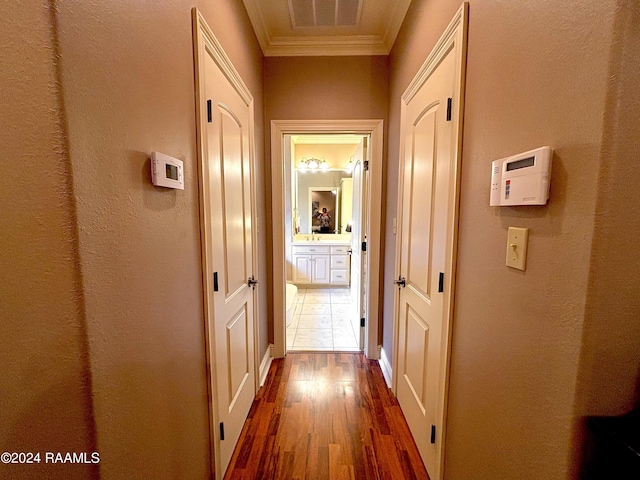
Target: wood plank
<point>325,416</point>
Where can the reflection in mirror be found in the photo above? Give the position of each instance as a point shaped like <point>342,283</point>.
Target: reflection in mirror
<point>323,209</point>
<point>315,191</point>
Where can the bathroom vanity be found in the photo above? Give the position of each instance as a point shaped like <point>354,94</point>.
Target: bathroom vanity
<point>321,262</point>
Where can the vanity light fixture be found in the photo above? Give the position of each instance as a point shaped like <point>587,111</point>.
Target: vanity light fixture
<point>349,167</point>
<point>313,164</point>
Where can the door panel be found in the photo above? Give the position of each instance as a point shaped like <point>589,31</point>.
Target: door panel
<point>238,355</point>
<point>416,342</point>
<point>425,228</point>
<point>420,193</point>
<point>233,208</point>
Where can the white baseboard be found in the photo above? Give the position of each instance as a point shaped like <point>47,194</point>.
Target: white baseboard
<point>385,365</point>
<point>265,364</point>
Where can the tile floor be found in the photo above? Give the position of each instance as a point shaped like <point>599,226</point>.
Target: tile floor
<point>322,321</point>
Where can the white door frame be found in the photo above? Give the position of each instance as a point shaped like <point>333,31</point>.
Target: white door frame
<point>204,39</point>
<point>455,33</point>
<point>373,128</point>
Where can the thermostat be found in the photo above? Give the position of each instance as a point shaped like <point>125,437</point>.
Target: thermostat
<point>521,179</point>
<point>167,171</point>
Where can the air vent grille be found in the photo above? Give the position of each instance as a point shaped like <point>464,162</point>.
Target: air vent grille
<point>325,13</point>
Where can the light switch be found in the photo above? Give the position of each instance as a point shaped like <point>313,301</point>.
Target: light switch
<point>517,247</point>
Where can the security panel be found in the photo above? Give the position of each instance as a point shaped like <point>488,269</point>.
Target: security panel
<point>521,179</point>
<point>167,171</point>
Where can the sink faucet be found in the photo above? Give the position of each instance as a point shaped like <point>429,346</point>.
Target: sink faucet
<point>313,235</point>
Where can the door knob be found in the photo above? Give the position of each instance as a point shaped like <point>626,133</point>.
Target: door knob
<point>252,282</point>
<point>401,281</point>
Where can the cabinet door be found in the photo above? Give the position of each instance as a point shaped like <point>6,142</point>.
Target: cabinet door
<point>302,267</point>
<point>320,269</point>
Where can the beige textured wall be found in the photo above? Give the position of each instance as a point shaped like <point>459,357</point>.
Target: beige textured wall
<point>322,88</point>
<point>610,360</point>
<point>302,88</point>
<point>127,69</point>
<point>44,385</point>
<point>537,75</point>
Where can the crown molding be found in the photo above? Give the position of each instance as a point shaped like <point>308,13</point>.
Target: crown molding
<point>254,10</point>
<point>395,22</point>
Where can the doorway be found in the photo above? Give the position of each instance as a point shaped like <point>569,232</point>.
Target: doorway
<point>313,262</point>
<point>324,225</point>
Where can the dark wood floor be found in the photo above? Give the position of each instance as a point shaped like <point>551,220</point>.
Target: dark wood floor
<point>325,416</point>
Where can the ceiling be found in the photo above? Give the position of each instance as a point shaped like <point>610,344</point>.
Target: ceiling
<point>326,27</point>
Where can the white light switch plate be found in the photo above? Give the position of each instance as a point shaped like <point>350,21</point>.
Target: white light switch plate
<point>517,240</point>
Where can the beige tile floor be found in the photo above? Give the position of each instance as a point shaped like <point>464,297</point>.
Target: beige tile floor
<point>322,321</point>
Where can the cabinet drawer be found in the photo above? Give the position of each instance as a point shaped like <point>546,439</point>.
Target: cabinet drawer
<point>311,249</point>
<point>340,249</point>
<point>339,277</point>
<point>339,261</point>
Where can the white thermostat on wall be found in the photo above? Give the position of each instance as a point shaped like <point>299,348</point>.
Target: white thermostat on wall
<point>167,171</point>
<point>521,179</point>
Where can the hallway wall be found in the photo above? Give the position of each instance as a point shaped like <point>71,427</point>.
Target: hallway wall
<point>127,72</point>
<point>536,75</point>
<point>610,357</point>
<point>45,387</point>
<point>322,88</point>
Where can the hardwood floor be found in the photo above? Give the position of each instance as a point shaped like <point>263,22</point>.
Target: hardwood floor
<point>325,416</point>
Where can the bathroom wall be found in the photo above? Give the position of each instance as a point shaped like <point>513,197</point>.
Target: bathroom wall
<point>537,74</point>
<point>337,156</point>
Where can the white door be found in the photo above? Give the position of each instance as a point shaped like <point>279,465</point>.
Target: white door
<point>358,257</point>
<point>225,135</point>
<point>426,245</point>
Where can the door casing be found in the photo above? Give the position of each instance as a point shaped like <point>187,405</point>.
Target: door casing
<point>454,35</point>
<point>373,128</point>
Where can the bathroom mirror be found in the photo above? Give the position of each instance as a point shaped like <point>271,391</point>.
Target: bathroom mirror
<point>315,191</point>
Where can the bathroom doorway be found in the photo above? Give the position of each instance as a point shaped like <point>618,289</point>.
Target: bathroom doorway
<point>313,235</point>
<point>323,210</point>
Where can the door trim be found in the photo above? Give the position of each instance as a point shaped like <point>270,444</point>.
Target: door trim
<point>455,34</point>
<point>373,128</point>
<point>205,41</point>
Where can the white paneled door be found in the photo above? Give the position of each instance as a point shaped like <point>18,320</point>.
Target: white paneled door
<point>359,216</point>
<point>427,222</point>
<point>225,111</point>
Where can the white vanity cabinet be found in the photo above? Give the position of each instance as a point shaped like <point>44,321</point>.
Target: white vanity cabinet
<point>321,264</point>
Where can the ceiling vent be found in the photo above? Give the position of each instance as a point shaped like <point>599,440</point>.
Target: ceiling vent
<point>325,13</point>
